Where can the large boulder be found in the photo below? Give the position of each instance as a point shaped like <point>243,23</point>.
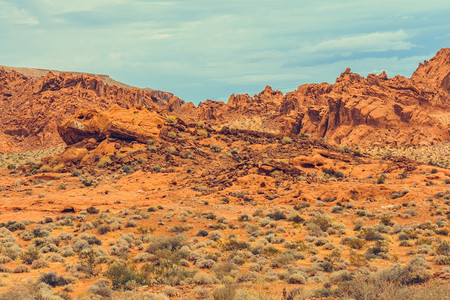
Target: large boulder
<point>138,124</point>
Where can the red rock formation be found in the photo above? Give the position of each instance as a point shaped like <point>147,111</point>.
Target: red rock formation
<point>31,107</point>
<point>137,124</point>
<point>376,110</point>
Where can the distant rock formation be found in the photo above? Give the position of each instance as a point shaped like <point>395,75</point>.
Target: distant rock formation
<point>32,107</point>
<point>376,110</point>
<point>355,110</point>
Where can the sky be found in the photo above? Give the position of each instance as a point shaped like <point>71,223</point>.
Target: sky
<point>203,49</point>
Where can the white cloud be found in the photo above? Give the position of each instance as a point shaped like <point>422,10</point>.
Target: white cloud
<point>62,7</point>
<point>204,49</point>
<point>370,42</point>
<point>11,14</point>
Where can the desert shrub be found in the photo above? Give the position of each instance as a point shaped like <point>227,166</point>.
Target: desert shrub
<point>286,140</point>
<point>442,260</point>
<point>323,222</point>
<point>215,235</point>
<point>53,279</point>
<point>55,258</point>
<point>202,232</point>
<point>31,255</point>
<point>203,278</point>
<point>443,248</point>
<point>201,293</point>
<point>277,215</point>
<point>295,217</point>
<point>169,249</point>
<point>5,259</point>
<point>370,234</point>
<point>103,229</point>
<point>379,249</point>
<point>416,271</point>
<point>165,273</point>
<point>238,194</point>
<point>5,269</point>
<point>331,172</point>
<point>187,154</point>
<point>172,134</point>
<point>179,228</point>
<point>143,257</point>
<point>224,292</point>
<point>120,272</point>
<point>92,239</point>
<point>244,218</point>
<point>223,269</point>
<point>296,278</point>
<point>205,263</point>
<point>233,245</point>
<point>127,169</point>
<point>11,250</point>
<point>202,132</point>
<point>33,291</point>
<point>21,269</point>
<point>104,162</point>
<point>89,261</point>
<point>337,209</point>
<point>171,119</point>
<point>353,242</point>
<point>101,287</point>
<point>282,259</point>
<point>67,251</point>
<point>442,231</point>
<point>130,223</point>
<point>14,226</point>
<point>92,210</point>
<point>249,276</point>
<point>87,226</point>
<point>170,291</point>
<point>39,264</point>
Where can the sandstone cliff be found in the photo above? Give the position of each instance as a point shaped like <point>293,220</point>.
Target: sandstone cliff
<point>32,106</point>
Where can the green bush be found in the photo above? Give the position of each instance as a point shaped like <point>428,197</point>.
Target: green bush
<point>121,272</point>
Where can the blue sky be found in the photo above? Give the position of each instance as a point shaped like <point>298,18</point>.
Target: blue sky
<point>203,49</point>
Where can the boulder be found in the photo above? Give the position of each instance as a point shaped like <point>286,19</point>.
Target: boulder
<point>137,124</point>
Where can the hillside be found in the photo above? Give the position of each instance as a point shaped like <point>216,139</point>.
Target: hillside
<point>355,111</point>
<point>34,101</point>
<point>141,205</point>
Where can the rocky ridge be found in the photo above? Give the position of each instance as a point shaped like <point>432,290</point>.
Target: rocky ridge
<point>32,107</point>
<point>355,110</point>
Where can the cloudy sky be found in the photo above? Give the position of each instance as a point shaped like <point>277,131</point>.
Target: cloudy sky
<point>203,49</point>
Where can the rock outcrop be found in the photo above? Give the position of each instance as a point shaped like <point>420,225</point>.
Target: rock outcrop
<point>32,106</point>
<point>355,110</point>
<point>137,124</point>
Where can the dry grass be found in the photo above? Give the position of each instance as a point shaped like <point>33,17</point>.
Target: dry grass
<point>438,155</point>
<point>16,159</point>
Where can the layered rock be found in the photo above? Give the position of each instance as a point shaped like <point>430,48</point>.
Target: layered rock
<point>355,110</point>
<point>32,107</point>
<point>137,124</point>
<point>375,110</point>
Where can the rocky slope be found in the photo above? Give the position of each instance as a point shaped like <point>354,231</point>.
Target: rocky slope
<point>375,110</point>
<point>364,111</point>
<point>33,105</point>
<point>209,207</point>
